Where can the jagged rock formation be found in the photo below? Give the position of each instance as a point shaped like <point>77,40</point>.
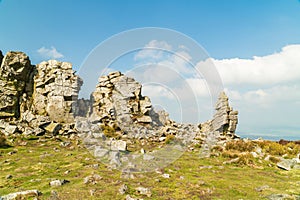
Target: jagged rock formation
<point>40,96</point>
<point>225,119</point>
<point>56,89</point>
<point>118,99</point>
<point>40,99</point>
<point>16,74</point>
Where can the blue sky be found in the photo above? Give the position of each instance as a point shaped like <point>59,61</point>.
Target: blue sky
<point>241,29</point>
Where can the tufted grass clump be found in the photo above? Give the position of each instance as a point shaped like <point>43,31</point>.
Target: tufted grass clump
<point>169,139</point>
<point>2,140</point>
<point>240,145</point>
<point>109,131</point>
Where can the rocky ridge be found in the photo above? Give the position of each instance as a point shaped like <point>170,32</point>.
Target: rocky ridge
<point>43,99</point>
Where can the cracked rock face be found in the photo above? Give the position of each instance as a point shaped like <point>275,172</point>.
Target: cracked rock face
<point>118,98</point>
<point>16,74</point>
<point>56,90</point>
<point>225,119</point>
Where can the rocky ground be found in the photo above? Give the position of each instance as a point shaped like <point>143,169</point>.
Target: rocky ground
<point>62,168</point>
<point>56,146</point>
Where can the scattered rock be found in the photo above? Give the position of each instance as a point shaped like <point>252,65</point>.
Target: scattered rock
<point>286,164</point>
<point>165,175</point>
<point>281,197</point>
<point>54,195</point>
<point>9,176</point>
<point>128,197</point>
<point>10,129</point>
<point>262,188</point>
<point>144,191</point>
<point>56,183</point>
<point>123,189</point>
<point>53,128</point>
<point>92,179</point>
<point>118,145</point>
<point>21,195</point>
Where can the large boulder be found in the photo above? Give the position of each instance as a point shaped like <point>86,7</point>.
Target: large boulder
<point>16,73</point>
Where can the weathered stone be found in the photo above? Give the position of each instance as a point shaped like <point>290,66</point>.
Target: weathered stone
<point>123,189</point>
<point>56,183</point>
<point>53,128</point>
<point>21,195</point>
<point>118,145</point>
<point>225,119</point>
<point>286,164</point>
<point>144,191</point>
<point>56,91</point>
<point>10,129</point>
<point>16,74</point>
<point>144,119</point>
<point>92,179</point>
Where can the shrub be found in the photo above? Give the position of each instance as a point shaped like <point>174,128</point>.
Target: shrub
<point>169,139</point>
<point>246,159</point>
<point>240,145</point>
<point>2,140</point>
<point>274,159</point>
<point>108,131</point>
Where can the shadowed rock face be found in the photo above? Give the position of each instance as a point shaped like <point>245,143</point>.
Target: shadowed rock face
<point>16,74</point>
<point>1,57</point>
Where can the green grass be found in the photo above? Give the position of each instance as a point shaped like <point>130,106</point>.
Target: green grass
<point>33,166</point>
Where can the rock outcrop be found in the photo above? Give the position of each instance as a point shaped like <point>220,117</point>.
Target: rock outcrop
<point>40,96</point>
<point>118,100</point>
<point>224,121</point>
<point>40,99</point>
<point>56,89</point>
<point>16,73</point>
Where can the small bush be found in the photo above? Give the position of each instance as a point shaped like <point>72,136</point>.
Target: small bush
<point>2,140</point>
<point>230,154</point>
<point>240,145</point>
<point>108,131</point>
<point>169,139</point>
<point>246,159</point>
<point>274,159</point>
<point>273,148</point>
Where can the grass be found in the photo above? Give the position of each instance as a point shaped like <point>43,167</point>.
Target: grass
<point>33,166</point>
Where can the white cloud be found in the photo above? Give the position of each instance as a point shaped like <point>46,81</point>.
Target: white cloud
<point>265,89</point>
<point>276,68</point>
<point>199,87</point>
<point>50,53</point>
<point>154,49</point>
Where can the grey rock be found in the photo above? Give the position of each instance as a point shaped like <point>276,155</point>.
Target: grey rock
<point>92,179</point>
<point>286,164</point>
<point>16,74</point>
<point>118,145</point>
<point>21,195</point>
<point>53,128</point>
<point>262,188</point>
<point>144,191</point>
<point>224,121</point>
<point>281,197</point>
<point>10,129</point>
<point>123,189</point>
<point>56,183</point>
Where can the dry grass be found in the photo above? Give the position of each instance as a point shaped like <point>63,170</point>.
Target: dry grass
<point>240,145</point>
